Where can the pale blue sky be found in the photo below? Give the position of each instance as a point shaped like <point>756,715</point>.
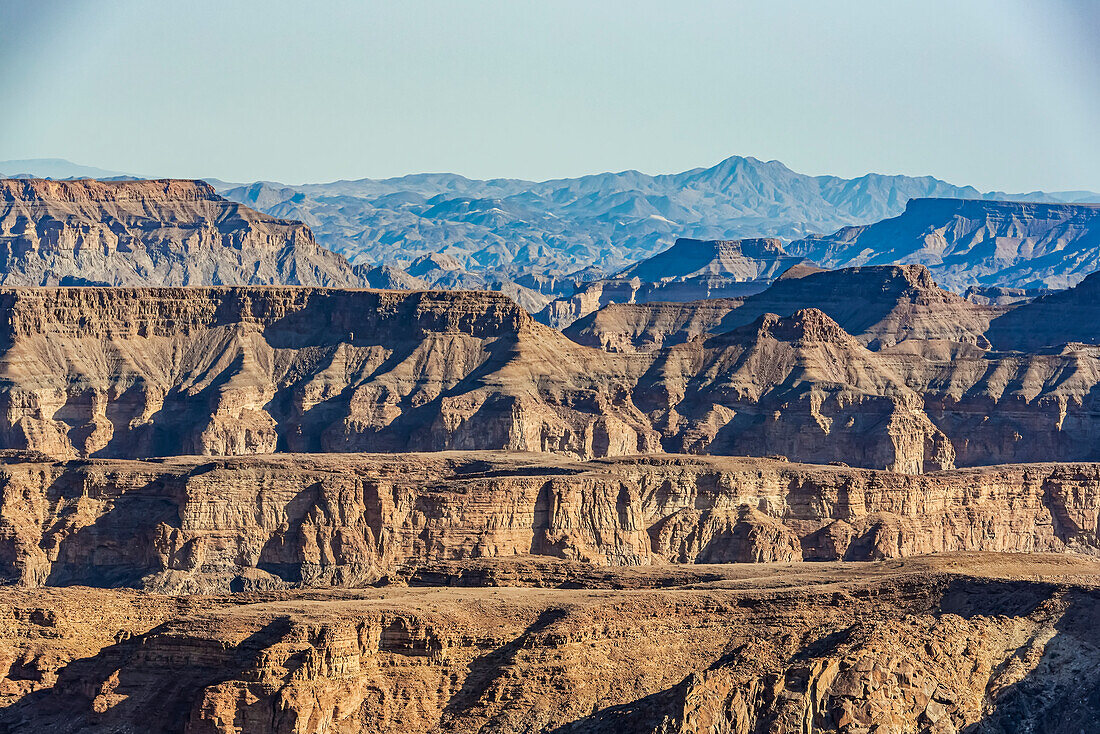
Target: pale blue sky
<point>999,94</point>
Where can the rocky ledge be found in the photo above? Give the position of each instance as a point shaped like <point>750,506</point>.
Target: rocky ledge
<point>215,525</point>
<point>959,643</point>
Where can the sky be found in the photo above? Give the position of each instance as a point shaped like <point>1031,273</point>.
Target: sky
<point>1001,95</point>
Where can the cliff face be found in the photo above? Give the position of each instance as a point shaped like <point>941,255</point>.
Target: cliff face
<point>199,525</point>
<point>689,270</point>
<point>881,306</point>
<point>645,327</point>
<point>962,643</point>
<point>166,232</point>
<point>968,242</point>
<point>132,373</point>
<point>225,371</point>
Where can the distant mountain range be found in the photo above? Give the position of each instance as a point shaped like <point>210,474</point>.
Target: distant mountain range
<point>610,220</point>
<point>584,238</point>
<point>57,168</point>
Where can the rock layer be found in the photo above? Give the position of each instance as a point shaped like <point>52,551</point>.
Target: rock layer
<point>967,242</point>
<point>165,232</point>
<point>1008,644</point>
<point>190,524</point>
<point>689,270</point>
<point>133,373</point>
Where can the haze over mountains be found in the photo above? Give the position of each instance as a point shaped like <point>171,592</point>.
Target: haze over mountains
<point>608,220</point>
<point>973,243</point>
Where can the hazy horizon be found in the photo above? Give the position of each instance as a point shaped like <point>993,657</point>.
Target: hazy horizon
<point>1001,96</point>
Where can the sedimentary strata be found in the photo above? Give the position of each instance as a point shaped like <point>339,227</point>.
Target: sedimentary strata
<point>193,524</point>
<point>976,643</point>
<point>967,242</point>
<point>166,232</point>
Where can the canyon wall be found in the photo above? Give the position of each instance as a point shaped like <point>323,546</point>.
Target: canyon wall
<point>160,232</point>
<point>153,372</point>
<point>953,644</point>
<point>889,372</point>
<point>193,524</point>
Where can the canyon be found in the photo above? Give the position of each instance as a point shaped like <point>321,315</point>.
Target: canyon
<point>722,490</point>
<point>876,367</point>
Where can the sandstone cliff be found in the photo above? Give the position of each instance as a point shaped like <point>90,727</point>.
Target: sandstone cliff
<point>881,306</point>
<point>216,371</point>
<point>644,327</point>
<point>166,232</point>
<point>193,524</point>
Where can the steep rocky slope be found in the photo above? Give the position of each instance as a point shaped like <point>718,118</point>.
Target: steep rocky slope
<point>644,327</point>
<point>880,305</point>
<point>140,372</point>
<point>1069,316</point>
<point>798,386</point>
<point>200,525</point>
<point>965,242</point>
<point>963,643</point>
<point>687,271</point>
<point>148,372</point>
<point>133,373</point>
<point>168,232</point>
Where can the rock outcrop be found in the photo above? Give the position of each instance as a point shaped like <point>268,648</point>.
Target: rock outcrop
<point>690,270</point>
<point>133,373</point>
<point>215,525</point>
<point>969,242</point>
<point>963,643</point>
<point>151,372</point>
<point>645,327</point>
<point>1071,316</point>
<point>881,306</point>
<point>166,232</point>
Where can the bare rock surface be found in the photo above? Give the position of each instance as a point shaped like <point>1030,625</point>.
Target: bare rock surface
<point>689,270</point>
<point>645,327</point>
<point>879,305</point>
<point>153,372</point>
<point>975,643</point>
<point>160,232</point>
<point>967,242</point>
<point>215,525</point>
<point>900,375</point>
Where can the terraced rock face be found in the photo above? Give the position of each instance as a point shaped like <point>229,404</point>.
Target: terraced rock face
<point>912,385</point>
<point>968,242</point>
<point>961,643</point>
<point>165,232</point>
<point>881,306</point>
<point>689,270</point>
<point>200,525</point>
<point>134,373</point>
